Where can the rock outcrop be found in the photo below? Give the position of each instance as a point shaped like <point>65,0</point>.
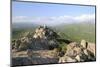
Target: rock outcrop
<point>43,47</point>
<point>79,52</point>
<point>43,36</point>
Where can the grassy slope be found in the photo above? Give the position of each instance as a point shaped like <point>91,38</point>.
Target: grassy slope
<point>18,33</point>
<point>77,32</point>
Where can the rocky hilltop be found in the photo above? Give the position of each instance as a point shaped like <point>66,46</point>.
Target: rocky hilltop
<point>44,46</point>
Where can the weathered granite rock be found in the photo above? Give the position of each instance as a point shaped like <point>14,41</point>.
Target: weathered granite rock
<point>84,44</point>
<point>92,48</point>
<point>66,59</point>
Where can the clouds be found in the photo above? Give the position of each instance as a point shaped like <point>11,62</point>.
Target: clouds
<point>20,19</point>
<point>55,20</point>
<point>86,18</point>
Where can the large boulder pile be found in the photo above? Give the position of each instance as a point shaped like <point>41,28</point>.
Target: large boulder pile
<point>79,52</point>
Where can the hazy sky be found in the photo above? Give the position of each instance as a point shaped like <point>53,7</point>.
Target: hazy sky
<point>51,13</point>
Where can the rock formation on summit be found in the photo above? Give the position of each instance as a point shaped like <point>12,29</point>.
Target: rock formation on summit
<point>44,45</point>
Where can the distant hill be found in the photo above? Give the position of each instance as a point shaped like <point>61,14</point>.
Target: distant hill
<point>19,29</point>
<point>23,25</point>
<point>72,31</point>
<point>77,31</point>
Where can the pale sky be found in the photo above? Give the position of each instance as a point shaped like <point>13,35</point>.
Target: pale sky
<point>43,13</point>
